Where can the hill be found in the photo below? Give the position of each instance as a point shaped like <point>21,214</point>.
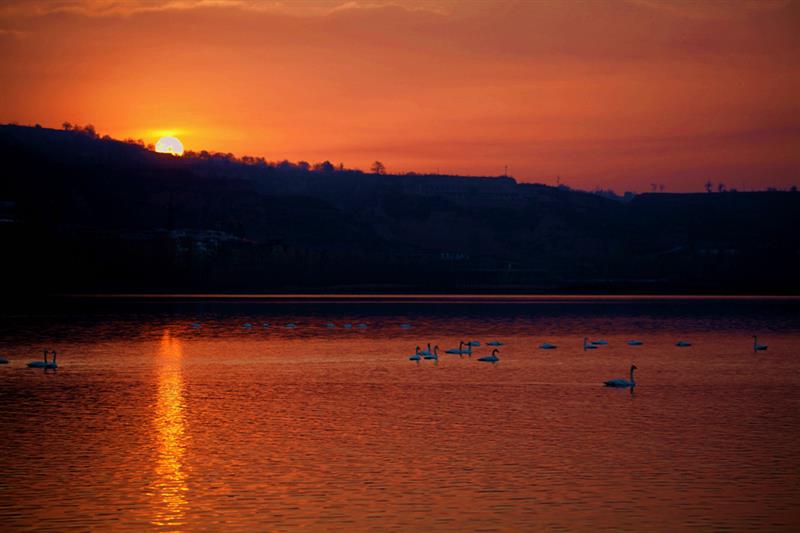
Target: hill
<point>83,214</point>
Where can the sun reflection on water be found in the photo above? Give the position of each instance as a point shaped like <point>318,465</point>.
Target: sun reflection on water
<point>169,423</point>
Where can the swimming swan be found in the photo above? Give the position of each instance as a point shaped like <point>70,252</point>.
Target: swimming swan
<point>587,346</point>
<point>44,364</point>
<point>416,357</point>
<point>494,343</point>
<point>622,383</point>
<point>434,355</point>
<point>460,350</point>
<point>758,347</point>
<point>683,344</point>
<point>547,346</point>
<point>635,343</point>
<point>39,364</point>
<point>490,358</point>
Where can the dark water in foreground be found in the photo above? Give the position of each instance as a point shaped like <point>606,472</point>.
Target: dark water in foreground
<point>153,424</point>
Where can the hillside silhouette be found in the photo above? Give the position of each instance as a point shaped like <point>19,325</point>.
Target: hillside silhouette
<point>79,213</point>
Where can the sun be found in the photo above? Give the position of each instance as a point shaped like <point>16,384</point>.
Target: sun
<point>169,145</point>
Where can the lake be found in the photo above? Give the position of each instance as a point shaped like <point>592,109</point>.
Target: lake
<point>170,414</point>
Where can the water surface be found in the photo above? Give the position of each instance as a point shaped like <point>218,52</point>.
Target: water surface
<point>152,423</point>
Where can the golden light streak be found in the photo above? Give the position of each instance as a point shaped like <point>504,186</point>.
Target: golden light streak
<point>170,431</point>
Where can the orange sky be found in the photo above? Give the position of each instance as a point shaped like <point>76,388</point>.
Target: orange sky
<point>615,94</point>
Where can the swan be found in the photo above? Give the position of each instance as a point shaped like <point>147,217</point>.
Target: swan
<point>265,325</point>
<point>196,325</point>
<point>490,358</point>
<point>600,342</point>
<point>473,343</point>
<point>494,343</point>
<point>456,351</point>
<point>330,325</point>
<point>39,364</point>
<point>547,346</point>
<point>53,363</point>
<point>247,325</point>
<point>434,355</point>
<point>428,351</point>
<point>683,344</point>
<point>405,326</point>
<point>587,346</point>
<point>758,347</point>
<point>622,383</point>
<point>291,325</point>
<point>416,357</point>
<point>362,326</point>
<point>3,361</point>
<point>348,326</point>
<point>635,343</point>
<point>460,350</point>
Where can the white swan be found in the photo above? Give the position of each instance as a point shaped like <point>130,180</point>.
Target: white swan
<point>460,350</point>
<point>45,363</point>
<point>427,352</point>
<point>362,326</point>
<point>348,326</point>
<point>196,325</point>
<point>39,364</point>
<point>635,343</point>
<point>490,358</point>
<point>290,325</point>
<point>265,325</point>
<point>456,351</point>
<point>494,343</point>
<point>683,344</point>
<point>330,325</point>
<point>247,325</point>
<point>434,355</point>
<point>621,383</point>
<point>405,326</point>
<point>758,347</point>
<point>416,357</point>
<point>3,361</point>
<point>473,343</point>
<point>587,345</point>
<point>600,342</point>
<point>547,346</point>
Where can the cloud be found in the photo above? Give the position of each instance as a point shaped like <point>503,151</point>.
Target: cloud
<point>115,8</point>
<point>731,9</point>
<point>14,34</point>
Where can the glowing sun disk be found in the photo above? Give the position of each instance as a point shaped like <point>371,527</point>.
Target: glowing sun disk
<point>169,145</point>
